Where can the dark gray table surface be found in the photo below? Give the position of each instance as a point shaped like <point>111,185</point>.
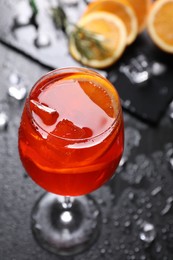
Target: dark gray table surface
<point>140,193</point>
<point>147,168</point>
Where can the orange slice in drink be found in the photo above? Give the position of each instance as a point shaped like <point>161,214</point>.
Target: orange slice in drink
<point>109,40</point>
<point>141,9</point>
<point>160,24</point>
<point>120,8</point>
<point>96,88</point>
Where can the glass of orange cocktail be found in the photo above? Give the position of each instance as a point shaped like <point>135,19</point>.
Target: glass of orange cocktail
<point>70,142</point>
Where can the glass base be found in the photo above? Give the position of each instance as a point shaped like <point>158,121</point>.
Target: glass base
<point>66,228</point>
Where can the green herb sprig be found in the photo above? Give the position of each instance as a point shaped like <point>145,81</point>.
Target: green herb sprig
<point>88,43</point>
<point>33,7</point>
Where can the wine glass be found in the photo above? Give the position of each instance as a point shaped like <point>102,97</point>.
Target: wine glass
<point>70,143</point>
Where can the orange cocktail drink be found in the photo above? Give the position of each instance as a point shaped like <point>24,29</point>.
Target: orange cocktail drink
<point>71,132</point>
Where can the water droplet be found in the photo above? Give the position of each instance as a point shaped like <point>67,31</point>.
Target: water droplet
<point>102,251</point>
<point>139,178</point>
<point>17,91</point>
<point>158,248</point>
<point>117,248</point>
<point>156,191</point>
<point>100,201</point>
<point>126,103</point>
<point>169,157</point>
<point>143,257</point>
<point>14,78</point>
<point>158,68</point>
<point>171,115</point>
<point>96,213</point>
<point>164,230</point>
<point>127,224</point>
<point>42,40</point>
<point>171,163</point>
<point>122,246</point>
<point>23,196</point>
<point>170,199</point>
<point>144,164</point>
<point>130,211</point>
<point>113,77</point>
<point>139,211</point>
<point>3,121</point>
<point>106,242</point>
<point>149,214</point>
<point>135,217</point>
<point>166,209</point>
<point>171,111</point>
<point>38,227</point>
<point>136,249</point>
<point>149,205</point>
<point>139,222</point>
<point>109,251</point>
<point>66,217</point>
<point>131,196</point>
<point>116,223</point>
<point>21,20</point>
<point>169,152</point>
<point>163,91</point>
<point>142,200</point>
<point>147,233</point>
<point>123,161</point>
<point>105,220</point>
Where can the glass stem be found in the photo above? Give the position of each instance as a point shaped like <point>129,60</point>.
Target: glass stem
<point>67,203</point>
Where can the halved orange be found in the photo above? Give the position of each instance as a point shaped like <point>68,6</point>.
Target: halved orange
<point>120,8</point>
<point>141,8</point>
<point>160,24</point>
<point>112,32</point>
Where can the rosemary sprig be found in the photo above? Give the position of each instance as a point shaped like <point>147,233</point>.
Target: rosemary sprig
<point>33,7</point>
<point>59,17</point>
<point>89,44</point>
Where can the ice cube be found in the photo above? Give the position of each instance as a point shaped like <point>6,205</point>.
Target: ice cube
<point>48,115</point>
<point>17,92</point>
<point>42,40</point>
<point>67,129</point>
